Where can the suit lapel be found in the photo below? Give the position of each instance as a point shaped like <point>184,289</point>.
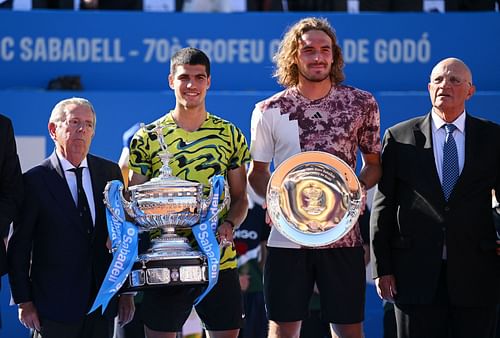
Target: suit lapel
<point>472,144</point>
<point>58,187</point>
<point>97,177</point>
<point>423,144</point>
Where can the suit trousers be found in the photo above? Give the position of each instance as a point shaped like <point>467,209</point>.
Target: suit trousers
<point>441,319</point>
<point>93,325</point>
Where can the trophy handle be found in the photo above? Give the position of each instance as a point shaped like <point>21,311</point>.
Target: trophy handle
<point>131,208</point>
<point>109,204</point>
<point>127,205</point>
<point>205,203</point>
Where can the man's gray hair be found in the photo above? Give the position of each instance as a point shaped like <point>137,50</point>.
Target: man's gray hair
<point>59,111</point>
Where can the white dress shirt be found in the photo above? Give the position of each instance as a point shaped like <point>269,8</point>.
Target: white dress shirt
<point>86,181</point>
<point>438,137</point>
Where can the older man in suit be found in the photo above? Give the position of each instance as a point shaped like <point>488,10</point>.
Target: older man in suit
<point>11,185</point>
<point>57,254</point>
<point>433,238</point>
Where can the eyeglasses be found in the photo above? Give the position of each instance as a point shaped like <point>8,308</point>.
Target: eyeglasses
<point>77,124</point>
<point>452,79</point>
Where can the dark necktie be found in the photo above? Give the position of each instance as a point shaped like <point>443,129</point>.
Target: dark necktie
<point>83,204</point>
<point>450,161</point>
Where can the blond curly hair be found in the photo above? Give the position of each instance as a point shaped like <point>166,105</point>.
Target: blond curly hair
<point>285,59</point>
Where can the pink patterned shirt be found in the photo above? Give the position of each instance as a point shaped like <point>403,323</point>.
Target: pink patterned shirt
<point>345,120</point>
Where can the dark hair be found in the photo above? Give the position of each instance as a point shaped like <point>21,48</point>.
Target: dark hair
<point>189,56</point>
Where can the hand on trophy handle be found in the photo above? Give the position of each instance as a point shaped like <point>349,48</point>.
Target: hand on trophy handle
<point>225,234</point>
<point>108,244</point>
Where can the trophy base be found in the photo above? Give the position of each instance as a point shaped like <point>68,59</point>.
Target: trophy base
<point>171,268</point>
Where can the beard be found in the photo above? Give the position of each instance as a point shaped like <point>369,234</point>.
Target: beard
<point>314,77</point>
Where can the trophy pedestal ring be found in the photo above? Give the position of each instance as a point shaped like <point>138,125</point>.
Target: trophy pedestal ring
<point>170,261</point>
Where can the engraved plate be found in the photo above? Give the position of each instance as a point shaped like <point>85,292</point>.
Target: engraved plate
<point>137,278</point>
<point>190,274</point>
<point>158,276</point>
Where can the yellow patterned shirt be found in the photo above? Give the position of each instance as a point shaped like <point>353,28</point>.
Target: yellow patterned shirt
<point>216,147</point>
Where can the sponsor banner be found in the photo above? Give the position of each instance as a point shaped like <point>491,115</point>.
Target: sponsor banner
<point>131,50</point>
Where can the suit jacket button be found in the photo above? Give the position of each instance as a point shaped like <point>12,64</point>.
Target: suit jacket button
<point>447,208</point>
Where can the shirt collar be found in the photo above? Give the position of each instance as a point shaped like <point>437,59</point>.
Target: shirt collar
<point>438,122</point>
<point>66,165</point>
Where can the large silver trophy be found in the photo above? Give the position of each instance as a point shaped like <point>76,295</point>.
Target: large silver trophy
<point>314,198</point>
<point>167,203</point>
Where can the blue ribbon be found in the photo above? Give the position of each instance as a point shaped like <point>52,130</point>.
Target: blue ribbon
<point>204,233</point>
<point>123,237</point>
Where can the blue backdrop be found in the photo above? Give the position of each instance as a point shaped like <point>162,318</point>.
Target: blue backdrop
<point>122,51</point>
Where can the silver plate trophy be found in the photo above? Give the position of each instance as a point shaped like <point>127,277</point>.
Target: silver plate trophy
<point>167,203</point>
<point>314,198</point>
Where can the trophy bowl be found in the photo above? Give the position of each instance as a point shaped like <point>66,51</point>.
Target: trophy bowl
<point>167,203</point>
<point>314,198</point>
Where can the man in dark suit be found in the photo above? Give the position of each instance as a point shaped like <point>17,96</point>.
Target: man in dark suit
<point>57,254</point>
<point>11,185</point>
<point>433,238</point>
